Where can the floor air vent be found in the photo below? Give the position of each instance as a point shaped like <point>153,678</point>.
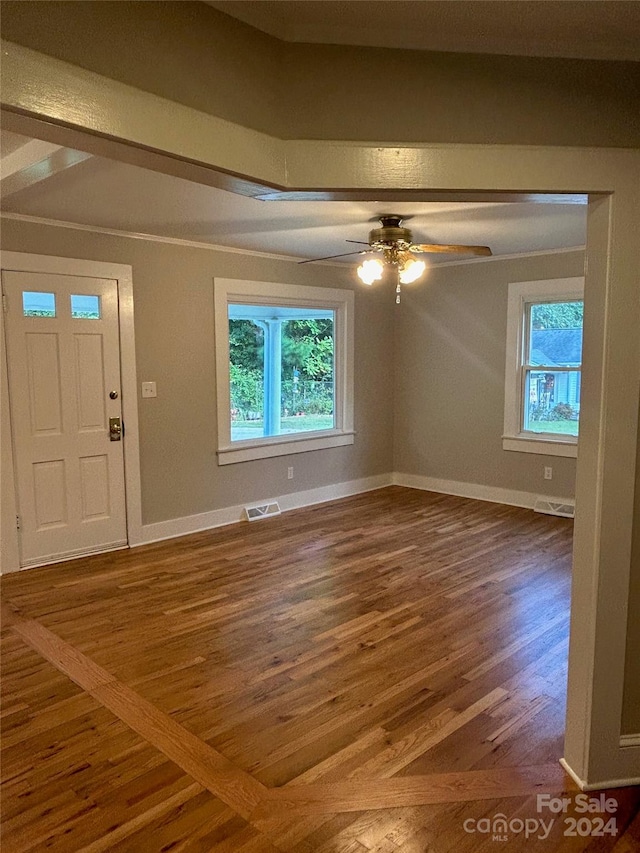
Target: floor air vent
<point>254,513</point>
<point>551,507</point>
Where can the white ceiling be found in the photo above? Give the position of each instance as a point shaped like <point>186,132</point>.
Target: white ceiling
<point>10,142</point>
<point>105,194</point>
<point>589,29</point>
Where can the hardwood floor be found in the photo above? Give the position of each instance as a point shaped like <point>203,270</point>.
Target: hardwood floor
<point>365,675</point>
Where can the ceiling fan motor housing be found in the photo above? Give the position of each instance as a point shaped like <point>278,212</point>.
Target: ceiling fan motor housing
<point>391,234</point>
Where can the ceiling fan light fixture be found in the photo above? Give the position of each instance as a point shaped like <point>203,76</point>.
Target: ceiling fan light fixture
<point>411,271</point>
<point>396,246</point>
<point>370,271</point>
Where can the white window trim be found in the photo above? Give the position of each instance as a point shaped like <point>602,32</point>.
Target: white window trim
<point>520,293</point>
<point>235,291</point>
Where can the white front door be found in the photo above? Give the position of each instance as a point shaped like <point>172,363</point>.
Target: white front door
<point>63,359</point>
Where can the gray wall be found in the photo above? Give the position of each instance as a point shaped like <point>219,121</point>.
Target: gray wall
<point>438,414</point>
<point>186,52</point>
<point>173,298</point>
<point>450,375</point>
<point>444,97</point>
<point>195,55</point>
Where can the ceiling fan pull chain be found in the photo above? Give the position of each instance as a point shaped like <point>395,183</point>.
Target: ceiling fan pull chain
<point>398,293</point>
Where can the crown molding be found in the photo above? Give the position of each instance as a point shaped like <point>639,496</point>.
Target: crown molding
<point>511,257</point>
<point>139,235</point>
<point>194,244</point>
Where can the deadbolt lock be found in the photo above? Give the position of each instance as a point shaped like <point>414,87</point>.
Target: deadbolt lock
<point>115,429</point>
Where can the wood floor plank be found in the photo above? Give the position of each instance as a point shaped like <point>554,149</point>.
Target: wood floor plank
<point>79,779</point>
<point>126,830</point>
<point>353,676</point>
<point>364,795</point>
<point>200,761</point>
<point>234,787</point>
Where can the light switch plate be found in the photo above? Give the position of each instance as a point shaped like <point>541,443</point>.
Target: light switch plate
<point>149,389</point>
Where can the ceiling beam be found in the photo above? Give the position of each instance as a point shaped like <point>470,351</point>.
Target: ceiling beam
<point>33,162</point>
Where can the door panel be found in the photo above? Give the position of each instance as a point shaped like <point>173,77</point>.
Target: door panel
<point>43,364</point>
<point>63,360</point>
<point>91,394</point>
<point>94,484</point>
<point>50,492</point>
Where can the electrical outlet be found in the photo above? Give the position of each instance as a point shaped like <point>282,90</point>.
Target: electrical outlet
<point>289,473</point>
<point>548,472</point>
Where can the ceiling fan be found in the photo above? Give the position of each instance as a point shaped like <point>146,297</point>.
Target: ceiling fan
<point>398,250</point>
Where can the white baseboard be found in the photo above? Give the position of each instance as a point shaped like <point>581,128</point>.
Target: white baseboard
<point>571,772</point>
<point>175,527</point>
<point>295,500</point>
<point>602,784</point>
<point>476,491</point>
<point>229,515</point>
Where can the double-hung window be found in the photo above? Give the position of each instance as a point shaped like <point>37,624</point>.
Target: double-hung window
<point>284,368</point>
<point>543,366</point>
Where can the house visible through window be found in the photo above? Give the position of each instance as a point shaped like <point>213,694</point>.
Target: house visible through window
<point>553,357</point>
<point>543,366</point>
<point>284,367</point>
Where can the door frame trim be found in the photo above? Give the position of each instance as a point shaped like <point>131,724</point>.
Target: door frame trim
<point>122,273</point>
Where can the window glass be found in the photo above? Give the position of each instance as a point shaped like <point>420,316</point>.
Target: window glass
<point>284,369</point>
<point>281,370</point>
<point>36,304</point>
<point>555,334</point>
<point>543,366</point>
<point>85,307</point>
<point>551,401</point>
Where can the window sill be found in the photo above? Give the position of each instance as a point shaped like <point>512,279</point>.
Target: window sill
<point>281,445</point>
<point>543,446</point>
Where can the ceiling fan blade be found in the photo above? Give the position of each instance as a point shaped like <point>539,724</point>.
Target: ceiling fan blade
<point>329,257</point>
<point>359,242</point>
<point>454,249</point>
